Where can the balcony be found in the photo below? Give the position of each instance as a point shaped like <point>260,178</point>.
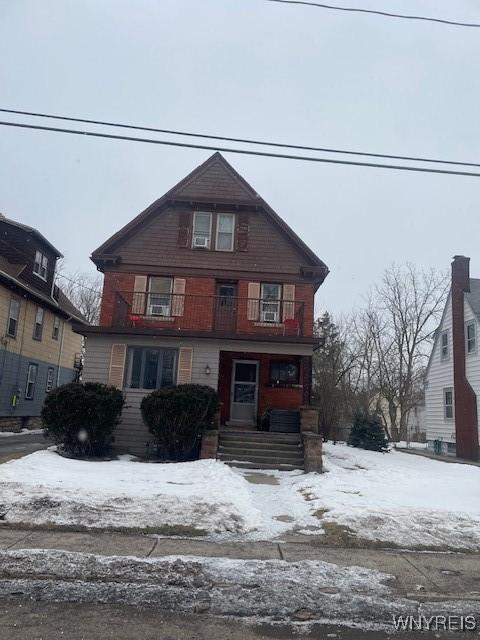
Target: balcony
<point>228,316</point>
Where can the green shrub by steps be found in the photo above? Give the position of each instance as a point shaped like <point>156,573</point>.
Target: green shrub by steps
<point>177,416</point>
<point>368,433</point>
<point>80,418</point>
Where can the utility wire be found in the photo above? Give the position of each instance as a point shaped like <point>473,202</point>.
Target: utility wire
<point>385,14</point>
<point>262,143</point>
<point>248,152</point>
<point>77,283</point>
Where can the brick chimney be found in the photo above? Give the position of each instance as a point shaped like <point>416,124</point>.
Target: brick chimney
<point>466,425</point>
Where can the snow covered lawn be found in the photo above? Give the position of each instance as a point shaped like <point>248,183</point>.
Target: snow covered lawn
<point>395,498</point>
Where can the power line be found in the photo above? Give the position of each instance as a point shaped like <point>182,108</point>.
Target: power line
<point>385,14</point>
<point>77,283</point>
<point>248,152</point>
<point>262,143</point>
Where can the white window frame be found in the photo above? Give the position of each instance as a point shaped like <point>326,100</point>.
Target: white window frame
<point>50,379</point>
<point>194,235</point>
<point>232,243</point>
<point>56,328</point>
<point>152,294</point>
<point>444,356</point>
<point>32,373</point>
<point>11,316</point>
<point>40,265</point>
<point>445,404</point>
<point>161,353</point>
<point>36,323</point>
<point>468,351</point>
<point>266,305</point>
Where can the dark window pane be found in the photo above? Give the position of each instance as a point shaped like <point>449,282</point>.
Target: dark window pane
<point>244,393</point>
<point>285,372</point>
<point>136,355</point>
<point>168,369</point>
<point>151,366</point>
<point>245,372</point>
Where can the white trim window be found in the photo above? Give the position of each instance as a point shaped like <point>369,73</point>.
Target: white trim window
<point>448,403</point>
<point>202,230</point>
<point>38,326</point>
<point>56,327</point>
<point>444,346</point>
<point>40,265</point>
<point>150,368</point>
<point>159,296</point>
<point>471,337</point>
<point>225,232</point>
<point>31,381</point>
<point>271,294</point>
<point>50,379</point>
<point>13,315</point>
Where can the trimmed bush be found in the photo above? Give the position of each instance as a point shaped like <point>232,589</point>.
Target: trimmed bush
<point>368,433</point>
<point>80,418</point>
<point>177,417</point>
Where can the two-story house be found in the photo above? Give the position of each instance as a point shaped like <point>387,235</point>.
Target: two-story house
<point>207,285</point>
<point>452,383</point>
<point>38,348</point>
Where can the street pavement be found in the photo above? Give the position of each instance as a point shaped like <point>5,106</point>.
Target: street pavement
<point>18,445</point>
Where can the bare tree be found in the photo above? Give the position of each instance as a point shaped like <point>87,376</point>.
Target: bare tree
<point>83,289</point>
<point>408,303</point>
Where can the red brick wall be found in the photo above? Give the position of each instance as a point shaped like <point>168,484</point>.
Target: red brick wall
<point>199,305</point>
<point>112,283</point>
<point>268,397</point>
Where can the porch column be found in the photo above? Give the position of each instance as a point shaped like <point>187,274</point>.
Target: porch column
<point>307,379</point>
<point>209,445</point>
<point>312,452</point>
<point>308,419</point>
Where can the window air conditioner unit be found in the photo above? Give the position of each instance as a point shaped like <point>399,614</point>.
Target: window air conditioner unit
<point>159,310</point>
<point>201,242</point>
<point>270,316</point>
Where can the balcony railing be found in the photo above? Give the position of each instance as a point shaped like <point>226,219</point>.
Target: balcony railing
<point>225,315</point>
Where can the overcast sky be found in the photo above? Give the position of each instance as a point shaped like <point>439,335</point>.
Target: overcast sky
<point>254,69</point>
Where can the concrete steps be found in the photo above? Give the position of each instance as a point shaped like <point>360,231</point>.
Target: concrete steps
<point>260,449</point>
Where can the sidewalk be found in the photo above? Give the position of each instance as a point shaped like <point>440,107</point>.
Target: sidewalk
<point>424,576</point>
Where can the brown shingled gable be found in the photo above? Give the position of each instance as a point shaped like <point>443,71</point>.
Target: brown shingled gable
<point>214,181</point>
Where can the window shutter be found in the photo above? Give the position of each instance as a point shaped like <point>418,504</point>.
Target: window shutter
<point>140,287</point>
<point>117,365</point>
<point>253,303</point>
<point>185,357</point>
<point>288,301</point>
<point>183,229</point>
<point>242,232</point>
<point>178,298</point>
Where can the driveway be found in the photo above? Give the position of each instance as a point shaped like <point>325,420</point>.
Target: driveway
<point>21,444</point>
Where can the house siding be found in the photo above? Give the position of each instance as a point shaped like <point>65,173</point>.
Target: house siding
<point>131,434</point>
<point>472,360</point>
<point>17,352</point>
<point>439,377</point>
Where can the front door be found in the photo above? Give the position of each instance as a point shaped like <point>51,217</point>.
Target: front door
<point>226,307</point>
<point>243,405</point>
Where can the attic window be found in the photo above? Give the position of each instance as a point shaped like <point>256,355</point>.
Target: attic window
<point>40,265</point>
<point>202,230</point>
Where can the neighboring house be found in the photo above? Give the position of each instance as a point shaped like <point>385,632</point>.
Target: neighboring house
<point>453,373</point>
<point>207,285</point>
<point>38,348</point>
<point>416,422</point>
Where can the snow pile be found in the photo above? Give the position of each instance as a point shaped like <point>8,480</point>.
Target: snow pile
<point>297,591</point>
<point>5,434</point>
<point>45,488</point>
<point>396,497</point>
